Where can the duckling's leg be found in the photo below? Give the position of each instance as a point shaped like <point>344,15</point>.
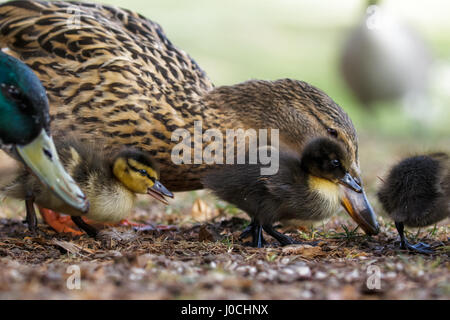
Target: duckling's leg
<point>31,213</point>
<point>90,230</point>
<point>53,219</point>
<point>251,230</point>
<point>257,236</point>
<point>405,245</point>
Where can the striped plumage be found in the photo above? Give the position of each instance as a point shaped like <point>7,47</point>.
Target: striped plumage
<point>113,73</point>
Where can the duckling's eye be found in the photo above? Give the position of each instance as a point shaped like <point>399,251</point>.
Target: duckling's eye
<point>335,163</point>
<point>143,172</point>
<point>332,132</point>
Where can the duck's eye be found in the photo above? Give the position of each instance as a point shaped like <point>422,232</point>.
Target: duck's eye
<point>143,172</point>
<point>332,132</point>
<point>13,93</point>
<point>335,163</point>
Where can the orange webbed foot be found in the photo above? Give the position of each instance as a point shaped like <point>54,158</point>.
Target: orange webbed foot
<point>61,224</point>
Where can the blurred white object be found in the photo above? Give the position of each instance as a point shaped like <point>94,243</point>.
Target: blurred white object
<point>385,60</point>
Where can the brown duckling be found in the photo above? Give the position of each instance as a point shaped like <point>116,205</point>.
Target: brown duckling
<point>112,73</point>
<point>416,193</point>
<point>307,189</point>
<point>109,180</point>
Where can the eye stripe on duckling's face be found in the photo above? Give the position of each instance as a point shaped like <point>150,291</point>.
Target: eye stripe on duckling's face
<point>136,176</point>
<point>326,159</point>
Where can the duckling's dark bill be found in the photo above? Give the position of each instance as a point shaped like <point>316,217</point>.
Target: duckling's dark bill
<point>350,182</point>
<point>42,158</point>
<point>359,209</point>
<point>158,191</point>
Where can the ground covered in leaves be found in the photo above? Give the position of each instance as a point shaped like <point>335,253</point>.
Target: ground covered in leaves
<point>205,260</point>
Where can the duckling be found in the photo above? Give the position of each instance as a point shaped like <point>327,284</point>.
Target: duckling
<point>112,73</point>
<point>295,192</point>
<point>416,193</point>
<point>110,181</point>
<point>25,131</point>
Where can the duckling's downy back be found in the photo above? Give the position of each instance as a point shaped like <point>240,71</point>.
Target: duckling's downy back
<point>417,190</point>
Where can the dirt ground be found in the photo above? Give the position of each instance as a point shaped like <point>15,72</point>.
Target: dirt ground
<point>202,257</point>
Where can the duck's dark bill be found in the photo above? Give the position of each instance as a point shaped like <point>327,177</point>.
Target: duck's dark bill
<point>360,210</point>
<point>41,157</point>
<point>158,191</point>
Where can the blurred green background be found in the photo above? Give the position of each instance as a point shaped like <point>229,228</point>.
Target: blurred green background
<point>237,40</point>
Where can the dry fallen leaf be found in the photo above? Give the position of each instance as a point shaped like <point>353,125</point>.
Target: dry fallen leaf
<point>205,235</point>
<point>71,247</point>
<point>201,212</point>
<point>305,251</point>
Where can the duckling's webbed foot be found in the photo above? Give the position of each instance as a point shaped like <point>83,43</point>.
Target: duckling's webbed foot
<point>90,230</point>
<point>283,239</point>
<point>420,248</point>
<point>405,245</point>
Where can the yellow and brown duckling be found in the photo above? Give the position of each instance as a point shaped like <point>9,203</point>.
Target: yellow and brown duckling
<point>416,193</point>
<point>109,180</point>
<point>304,189</point>
<point>112,73</point>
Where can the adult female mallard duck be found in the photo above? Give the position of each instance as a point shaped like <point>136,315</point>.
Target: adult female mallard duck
<point>25,131</point>
<point>416,193</point>
<point>109,179</point>
<point>112,73</point>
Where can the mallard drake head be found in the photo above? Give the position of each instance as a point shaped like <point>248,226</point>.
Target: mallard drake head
<point>328,166</point>
<point>25,125</point>
<point>140,174</point>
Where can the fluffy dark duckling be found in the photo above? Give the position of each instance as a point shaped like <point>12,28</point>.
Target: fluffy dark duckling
<point>416,193</point>
<point>307,189</point>
<point>110,181</point>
